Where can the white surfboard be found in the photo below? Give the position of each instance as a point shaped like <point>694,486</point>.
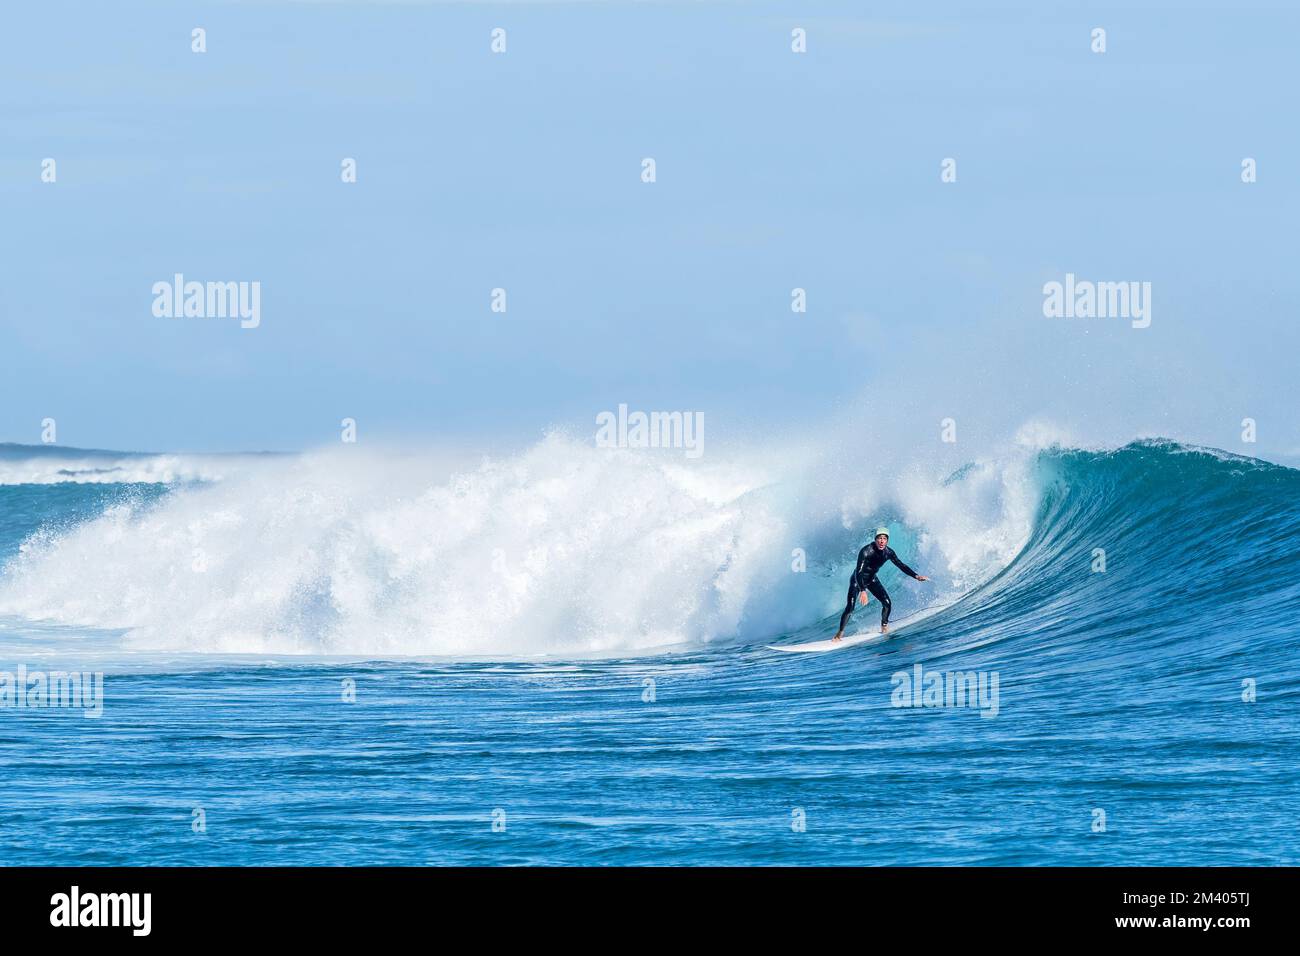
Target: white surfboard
<point>814,647</point>
<point>817,647</point>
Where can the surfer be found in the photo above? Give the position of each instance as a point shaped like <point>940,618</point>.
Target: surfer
<point>870,560</point>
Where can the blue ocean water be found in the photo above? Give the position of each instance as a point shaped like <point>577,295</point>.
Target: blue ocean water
<point>1146,713</point>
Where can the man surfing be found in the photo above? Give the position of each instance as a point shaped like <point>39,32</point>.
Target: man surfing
<point>870,560</point>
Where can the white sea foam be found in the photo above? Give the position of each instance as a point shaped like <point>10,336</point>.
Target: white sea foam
<point>563,548</point>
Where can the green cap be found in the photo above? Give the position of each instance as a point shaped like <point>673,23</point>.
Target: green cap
<point>880,531</point>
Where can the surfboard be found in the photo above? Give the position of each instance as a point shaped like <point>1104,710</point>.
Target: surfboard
<point>817,647</point>
<point>814,647</point>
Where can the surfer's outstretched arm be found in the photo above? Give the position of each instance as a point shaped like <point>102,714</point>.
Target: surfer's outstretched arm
<point>904,568</point>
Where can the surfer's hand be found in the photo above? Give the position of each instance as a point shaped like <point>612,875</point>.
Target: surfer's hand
<point>863,597</point>
<point>922,577</point>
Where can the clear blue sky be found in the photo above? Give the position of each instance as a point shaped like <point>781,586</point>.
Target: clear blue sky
<point>775,170</point>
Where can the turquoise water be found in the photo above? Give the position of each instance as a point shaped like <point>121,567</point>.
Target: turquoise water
<point>1118,691</point>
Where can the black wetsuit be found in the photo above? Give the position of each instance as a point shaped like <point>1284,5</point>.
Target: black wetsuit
<point>870,560</point>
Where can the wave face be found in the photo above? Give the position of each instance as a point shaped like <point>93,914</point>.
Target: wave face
<point>1199,588</point>
<point>567,549</point>
<point>1156,541</point>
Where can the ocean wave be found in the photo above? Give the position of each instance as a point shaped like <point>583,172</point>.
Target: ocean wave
<point>567,549</point>
<point>563,548</point>
<point>54,465</point>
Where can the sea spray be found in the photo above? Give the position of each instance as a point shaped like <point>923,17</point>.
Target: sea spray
<point>563,548</point>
